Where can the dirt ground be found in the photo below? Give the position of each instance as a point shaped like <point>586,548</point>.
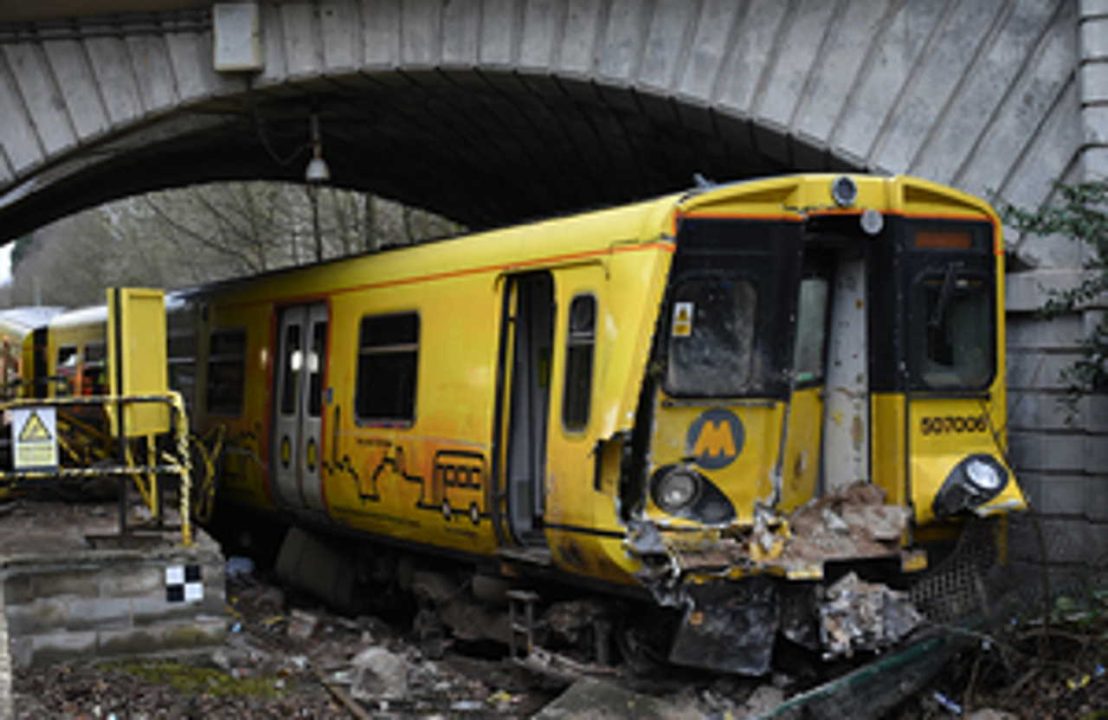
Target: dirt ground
<point>287,657</point>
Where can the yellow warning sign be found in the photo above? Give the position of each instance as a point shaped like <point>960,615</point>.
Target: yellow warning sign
<point>34,430</point>
<point>34,438</point>
<point>682,319</point>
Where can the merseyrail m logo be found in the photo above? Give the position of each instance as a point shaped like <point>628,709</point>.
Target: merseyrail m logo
<point>715,439</point>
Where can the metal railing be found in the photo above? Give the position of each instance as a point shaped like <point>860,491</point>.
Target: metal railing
<point>79,439</point>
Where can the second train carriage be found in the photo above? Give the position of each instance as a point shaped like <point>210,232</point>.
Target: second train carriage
<point>664,399</point>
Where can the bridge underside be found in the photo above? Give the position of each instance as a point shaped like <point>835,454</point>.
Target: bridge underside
<point>481,148</point>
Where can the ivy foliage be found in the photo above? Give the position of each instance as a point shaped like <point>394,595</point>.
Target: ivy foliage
<point>1079,212</point>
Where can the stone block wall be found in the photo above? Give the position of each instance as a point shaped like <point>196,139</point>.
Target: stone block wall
<point>1060,450</point>
<point>111,603</point>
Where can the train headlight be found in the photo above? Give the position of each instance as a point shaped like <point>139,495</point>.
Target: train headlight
<point>972,482</point>
<point>676,489</point>
<point>843,191</point>
<point>985,476</point>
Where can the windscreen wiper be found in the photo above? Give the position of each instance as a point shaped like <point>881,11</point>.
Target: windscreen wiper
<point>939,311</point>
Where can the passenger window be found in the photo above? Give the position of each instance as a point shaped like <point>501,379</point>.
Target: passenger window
<point>580,341</point>
<point>711,344</point>
<point>294,361</point>
<point>94,377</point>
<point>181,358</point>
<point>316,361</point>
<point>388,364</point>
<point>226,371</point>
<point>66,369</point>
<point>811,324</point>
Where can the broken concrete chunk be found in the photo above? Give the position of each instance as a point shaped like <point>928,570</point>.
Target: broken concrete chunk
<point>599,700</point>
<point>302,624</point>
<point>762,701</point>
<point>379,675</point>
<point>856,615</point>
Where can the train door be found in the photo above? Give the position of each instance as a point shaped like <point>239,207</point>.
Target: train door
<point>529,330</point>
<point>298,405</point>
<point>802,462</point>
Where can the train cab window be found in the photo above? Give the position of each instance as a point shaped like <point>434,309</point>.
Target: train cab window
<point>388,364</point>
<point>580,340</point>
<point>811,327</point>
<point>66,369</point>
<point>954,348</point>
<point>226,371</point>
<point>711,336</point>
<point>94,377</point>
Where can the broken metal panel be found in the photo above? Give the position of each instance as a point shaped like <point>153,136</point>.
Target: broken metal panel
<point>728,581</point>
<point>729,627</point>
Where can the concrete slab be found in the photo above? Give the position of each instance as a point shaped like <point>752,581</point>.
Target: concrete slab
<point>591,698</point>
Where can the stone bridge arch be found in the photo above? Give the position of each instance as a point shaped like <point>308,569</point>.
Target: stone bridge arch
<point>490,111</point>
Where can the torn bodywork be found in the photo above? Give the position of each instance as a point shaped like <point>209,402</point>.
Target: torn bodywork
<point>739,586</point>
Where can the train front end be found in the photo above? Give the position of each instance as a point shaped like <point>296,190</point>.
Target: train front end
<point>825,394</point>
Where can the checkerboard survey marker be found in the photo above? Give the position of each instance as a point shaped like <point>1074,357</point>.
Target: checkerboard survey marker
<point>183,583</point>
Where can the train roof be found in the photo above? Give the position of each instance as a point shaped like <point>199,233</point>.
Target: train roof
<point>22,320</point>
<point>788,196</point>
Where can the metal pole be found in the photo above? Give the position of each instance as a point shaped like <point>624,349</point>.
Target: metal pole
<point>313,195</point>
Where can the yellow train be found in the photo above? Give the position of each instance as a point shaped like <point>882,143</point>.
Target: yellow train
<point>713,404</point>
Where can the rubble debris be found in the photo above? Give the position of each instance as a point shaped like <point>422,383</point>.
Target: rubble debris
<point>762,701</point>
<point>854,523</point>
<point>237,566</point>
<point>571,621</point>
<point>379,675</point>
<point>561,668</point>
<point>856,615</point>
<point>302,624</point>
<point>990,714</point>
<point>593,699</point>
<point>946,703</point>
<point>455,606</point>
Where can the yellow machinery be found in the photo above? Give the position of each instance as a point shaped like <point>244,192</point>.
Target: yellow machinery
<point>68,428</point>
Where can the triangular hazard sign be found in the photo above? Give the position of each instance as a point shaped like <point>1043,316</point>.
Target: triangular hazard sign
<point>34,430</point>
<point>683,314</point>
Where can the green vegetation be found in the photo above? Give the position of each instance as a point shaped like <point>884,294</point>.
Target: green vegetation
<point>1079,212</point>
<point>199,680</point>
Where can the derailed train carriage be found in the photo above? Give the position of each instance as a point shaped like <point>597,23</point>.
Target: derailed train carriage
<point>717,407</point>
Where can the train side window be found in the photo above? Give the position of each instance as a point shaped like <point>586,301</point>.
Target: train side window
<point>580,341</point>
<point>226,371</point>
<point>294,360</point>
<point>181,358</point>
<point>66,369</point>
<point>315,368</point>
<point>94,378</point>
<point>388,364</point>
